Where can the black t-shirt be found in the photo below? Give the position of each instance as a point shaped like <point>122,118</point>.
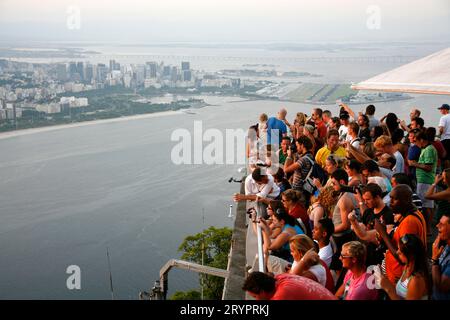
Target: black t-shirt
<point>386,217</point>
<point>365,133</point>
<point>375,254</point>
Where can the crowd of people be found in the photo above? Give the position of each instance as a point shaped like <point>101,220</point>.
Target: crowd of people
<point>350,206</point>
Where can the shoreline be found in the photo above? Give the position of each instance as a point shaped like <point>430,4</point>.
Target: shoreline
<point>18,133</point>
<point>22,132</point>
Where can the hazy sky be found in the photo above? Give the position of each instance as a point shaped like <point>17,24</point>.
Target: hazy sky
<point>225,20</point>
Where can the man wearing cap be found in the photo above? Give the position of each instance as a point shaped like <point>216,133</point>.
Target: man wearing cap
<point>444,131</point>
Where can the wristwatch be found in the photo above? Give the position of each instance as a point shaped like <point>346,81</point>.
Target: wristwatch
<point>435,262</point>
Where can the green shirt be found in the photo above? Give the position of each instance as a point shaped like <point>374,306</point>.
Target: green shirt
<point>282,157</point>
<point>427,156</point>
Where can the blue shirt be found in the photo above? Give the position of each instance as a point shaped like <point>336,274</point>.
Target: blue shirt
<point>444,265</point>
<point>275,124</point>
<point>413,154</point>
<point>297,229</point>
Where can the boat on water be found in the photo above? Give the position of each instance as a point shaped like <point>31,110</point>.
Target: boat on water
<point>187,111</point>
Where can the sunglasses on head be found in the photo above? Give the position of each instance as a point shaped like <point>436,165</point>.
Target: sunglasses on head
<point>406,239</point>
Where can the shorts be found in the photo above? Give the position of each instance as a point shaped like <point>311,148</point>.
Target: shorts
<point>422,189</point>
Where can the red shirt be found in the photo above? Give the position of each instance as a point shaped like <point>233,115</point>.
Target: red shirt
<point>293,287</point>
<point>299,211</point>
<point>440,150</point>
<point>321,129</point>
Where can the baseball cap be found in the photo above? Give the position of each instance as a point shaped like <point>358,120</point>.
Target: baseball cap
<point>445,107</point>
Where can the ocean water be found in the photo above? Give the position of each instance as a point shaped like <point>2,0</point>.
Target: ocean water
<point>69,194</point>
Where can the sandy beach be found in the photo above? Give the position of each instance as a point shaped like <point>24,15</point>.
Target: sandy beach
<point>11,134</point>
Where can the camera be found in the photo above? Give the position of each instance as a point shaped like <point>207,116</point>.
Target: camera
<point>352,189</point>
<point>293,147</point>
<point>262,164</point>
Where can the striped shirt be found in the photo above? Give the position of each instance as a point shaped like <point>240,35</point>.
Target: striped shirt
<point>301,173</point>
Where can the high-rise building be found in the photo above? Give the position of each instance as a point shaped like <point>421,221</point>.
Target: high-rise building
<point>80,69</point>
<point>61,72</point>
<point>140,74</point>
<point>150,70</point>
<point>187,75</point>
<point>174,74</point>
<point>185,65</point>
<point>72,69</point>
<point>102,71</point>
<point>89,73</point>
<point>166,71</point>
<point>113,65</point>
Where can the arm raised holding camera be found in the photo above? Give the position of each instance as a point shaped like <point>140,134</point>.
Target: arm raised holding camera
<point>348,109</point>
<point>361,231</point>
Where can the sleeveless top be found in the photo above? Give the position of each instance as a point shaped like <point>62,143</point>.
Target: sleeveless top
<point>402,287</point>
<point>320,273</point>
<point>337,220</point>
<point>297,229</point>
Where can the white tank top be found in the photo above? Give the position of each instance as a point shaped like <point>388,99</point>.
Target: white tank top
<point>321,274</point>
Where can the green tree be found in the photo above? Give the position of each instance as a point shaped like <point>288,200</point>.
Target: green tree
<point>215,244</point>
<point>186,295</point>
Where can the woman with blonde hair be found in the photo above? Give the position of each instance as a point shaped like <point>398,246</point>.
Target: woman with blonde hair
<point>299,123</point>
<point>307,262</point>
<point>322,206</point>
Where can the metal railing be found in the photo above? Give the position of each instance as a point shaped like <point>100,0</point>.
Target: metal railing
<point>159,291</point>
<point>259,210</point>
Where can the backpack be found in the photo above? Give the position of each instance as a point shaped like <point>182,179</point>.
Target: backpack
<point>317,172</point>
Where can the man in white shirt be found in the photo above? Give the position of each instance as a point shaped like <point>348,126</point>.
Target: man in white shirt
<point>258,184</point>
<point>444,131</point>
<point>383,144</point>
<point>321,234</point>
<point>352,135</point>
<point>343,129</point>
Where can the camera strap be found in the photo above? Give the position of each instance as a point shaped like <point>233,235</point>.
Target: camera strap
<point>310,170</point>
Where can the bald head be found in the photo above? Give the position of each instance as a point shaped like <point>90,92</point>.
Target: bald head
<point>401,199</point>
<point>282,113</point>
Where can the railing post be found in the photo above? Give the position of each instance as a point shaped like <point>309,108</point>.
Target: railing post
<point>260,239</point>
<point>164,280</point>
